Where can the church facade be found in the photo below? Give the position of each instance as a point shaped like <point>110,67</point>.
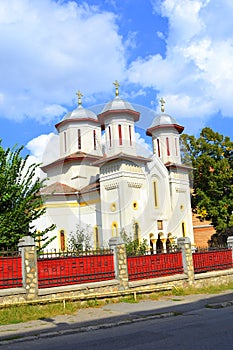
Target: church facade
<point>107,187</point>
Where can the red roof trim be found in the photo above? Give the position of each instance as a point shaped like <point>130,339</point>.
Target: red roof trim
<point>57,189</point>
<point>105,114</point>
<point>179,128</point>
<point>65,121</point>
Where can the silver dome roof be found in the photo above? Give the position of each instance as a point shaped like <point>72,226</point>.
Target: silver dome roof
<point>163,119</point>
<point>117,103</point>
<point>80,113</point>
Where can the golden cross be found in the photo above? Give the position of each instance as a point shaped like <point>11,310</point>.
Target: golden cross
<point>162,101</point>
<point>80,95</point>
<point>116,83</point>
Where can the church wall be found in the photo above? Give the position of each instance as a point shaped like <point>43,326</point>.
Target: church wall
<point>113,146</point>
<point>181,218</point>
<point>71,143</point>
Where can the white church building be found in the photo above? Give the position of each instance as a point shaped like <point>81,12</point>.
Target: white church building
<point>109,187</point>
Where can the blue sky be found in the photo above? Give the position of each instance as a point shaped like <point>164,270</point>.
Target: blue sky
<point>179,49</point>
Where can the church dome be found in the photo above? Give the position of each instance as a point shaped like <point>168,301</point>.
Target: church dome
<point>163,119</point>
<point>80,113</point>
<point>117,104</point>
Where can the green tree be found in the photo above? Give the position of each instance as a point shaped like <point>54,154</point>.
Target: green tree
<point>134,246</point>
<point>79,240</point>
<point>20,200</point>
<point>211,155</point>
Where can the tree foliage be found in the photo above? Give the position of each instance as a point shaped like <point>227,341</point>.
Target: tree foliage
<point>134,246</point>
<point>20,201</point>
<point>79,240</point>
<point>211,155</point>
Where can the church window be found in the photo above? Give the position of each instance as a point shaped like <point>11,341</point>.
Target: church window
<point>136,231</point>
<point>96,237</point>
<point>135,205</point>
<point>168,146</point>
<point>120,134</point>
<point>158,147</point>
<point>183,229</point>
<point>155,190</point>
<point>176,147</point>
<point>110,136</point>
<point>38,240</point>
<point>130,135</point>
<point>160,224</point>
<point>79,139</point>
<point>65,142</point>
<point>94,139</point>
<point>62,240</point>
<point>114,229</point>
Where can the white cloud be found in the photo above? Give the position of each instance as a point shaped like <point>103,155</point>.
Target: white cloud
<point>44,148</point>
<point>49,50</point>
<point>196,74</point>
<point>142,148</point>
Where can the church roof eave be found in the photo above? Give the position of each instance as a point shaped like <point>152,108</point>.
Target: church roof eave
<point>58,189</point>
<point>75,157</point>
<point>77,120</point>
<point>179,128</point>
<point>121,156</point>
<point>179,166</point>
<point>108,113</point>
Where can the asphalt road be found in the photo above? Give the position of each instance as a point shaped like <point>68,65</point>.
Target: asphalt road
<point>198,329</point>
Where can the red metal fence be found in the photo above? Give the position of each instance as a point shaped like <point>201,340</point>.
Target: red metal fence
<point>10,270</point>
<point>150,266</point>
<point>66,270</point>
<point>209,260</point>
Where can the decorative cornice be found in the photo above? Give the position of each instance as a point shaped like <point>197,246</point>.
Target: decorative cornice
<point>134,184</point>
<point>111,186</point>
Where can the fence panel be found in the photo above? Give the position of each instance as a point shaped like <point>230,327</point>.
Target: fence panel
<point>66,270</point>
<point>10,270</point>
<point>209,260</point>
<point>151,266</point>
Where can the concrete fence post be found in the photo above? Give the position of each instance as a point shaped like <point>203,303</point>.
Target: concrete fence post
<point>120,261</point>
<point>185,245</point>
<point>230,244</point>
<point>27,248</point>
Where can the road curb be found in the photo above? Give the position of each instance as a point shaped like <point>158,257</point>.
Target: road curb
<point>220,305</point>
<point>22,338</point>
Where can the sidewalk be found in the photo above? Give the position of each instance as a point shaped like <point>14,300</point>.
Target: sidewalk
<point>112,315</point>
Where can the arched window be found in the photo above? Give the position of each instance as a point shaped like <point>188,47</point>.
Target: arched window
<point>183,229</point>
<point>130,135</point>
<point>62,240</point>
<point>96,237</point>
<point>158,147</point>
<point>136,231</point>
<point>155,191</point>
<point>168,147</point>
<point>65,142</point>
<point>110,136</point>
<point>79,139</point>
<point>176,146</point>
<point>94,139</point>
<point>159,245</point>
<point>38,239</point>
<point>114,229</point>
<point>120,134</point>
